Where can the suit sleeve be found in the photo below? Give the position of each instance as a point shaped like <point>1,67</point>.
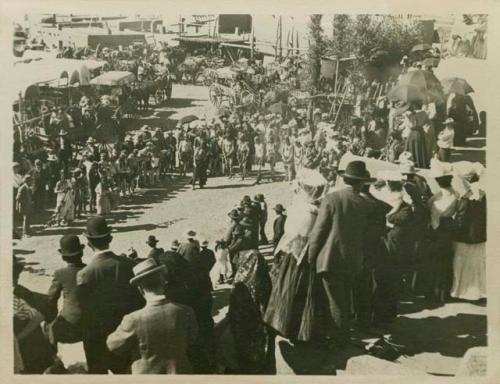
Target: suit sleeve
<point>53,296</point>
<point>320,230</point>
<point>124,338</point>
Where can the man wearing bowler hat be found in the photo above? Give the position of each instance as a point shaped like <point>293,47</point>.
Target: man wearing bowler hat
<point>105,296</point>
<point>155,338</point>
<point>336,246</point>
<point>65,326</point>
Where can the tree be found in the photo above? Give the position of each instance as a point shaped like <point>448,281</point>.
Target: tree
<point>316,50</point>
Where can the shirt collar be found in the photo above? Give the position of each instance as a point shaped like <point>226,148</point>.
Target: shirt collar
<point>101,251</point>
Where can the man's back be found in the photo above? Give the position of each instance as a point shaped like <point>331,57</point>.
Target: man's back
<point>336,240</point>
<point>105,292</point>
<point>156,338</point>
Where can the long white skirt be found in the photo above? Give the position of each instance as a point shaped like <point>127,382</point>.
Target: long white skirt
<point>469,271</point>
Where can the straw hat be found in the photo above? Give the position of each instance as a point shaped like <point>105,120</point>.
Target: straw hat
<point>144,269</point>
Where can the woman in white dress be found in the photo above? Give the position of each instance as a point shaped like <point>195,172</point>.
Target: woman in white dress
<point>469,246</point>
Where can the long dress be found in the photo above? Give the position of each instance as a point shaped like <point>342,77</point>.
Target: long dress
<point>415,144</point>
<point>65,206</point>
<point>291,306</point>
<point>469,246</point>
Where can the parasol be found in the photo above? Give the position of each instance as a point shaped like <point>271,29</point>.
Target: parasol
<point>188,119</point>
<point>456,85</point>
<point>425,81</point>
<point>421,47</point>
<point>405,92</point>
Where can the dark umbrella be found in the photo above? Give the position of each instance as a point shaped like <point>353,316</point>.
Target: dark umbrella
<point>278,108</point>
<point>421,47</point>
<point>188,119</point>
<point>425,81</point>
<point>405,92</point>
<point>456,85</point>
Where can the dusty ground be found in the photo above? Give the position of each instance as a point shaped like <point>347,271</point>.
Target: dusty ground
<point>436,336</point>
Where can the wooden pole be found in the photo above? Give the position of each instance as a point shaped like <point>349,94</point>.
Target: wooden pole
<point>276,42</point>
<point>252,43</point>
<point>288,43</point>
<point>297,43</point>
<point>281,39</point>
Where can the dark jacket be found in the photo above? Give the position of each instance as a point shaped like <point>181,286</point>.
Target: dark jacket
<point>400,239</point>
<point>105,296</point>
<point>375,229</point>
<point>178,276</point>
<point>470,221</point>
<point>279,228</point>
<point>336,239</point>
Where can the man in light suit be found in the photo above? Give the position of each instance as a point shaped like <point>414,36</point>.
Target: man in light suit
<point>157,337</point>
<point>105,296</point>
<point>336,246</point>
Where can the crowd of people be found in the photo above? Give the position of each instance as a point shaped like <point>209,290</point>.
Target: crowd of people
<point>347,246</point>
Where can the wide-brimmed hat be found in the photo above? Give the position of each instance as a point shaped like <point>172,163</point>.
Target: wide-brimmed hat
<point>70,246</point>
<point>144,269</point>
<point>190,234</point>
<point>279,208</point>
<point>204,243</point>
<point>151,240</point>
<point>407,168</point>
<point>356,170</point>
<point>97,228</point>
<point>449,121</point>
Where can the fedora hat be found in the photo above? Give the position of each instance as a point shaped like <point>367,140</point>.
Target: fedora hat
<point>204,243</point>
<point>144,269</point>
<point>97,228</point>
<point>279,208</point>
<point>151,240</point>
<point>190,234</point>
<point>70,246</point>
<point>356,170</point>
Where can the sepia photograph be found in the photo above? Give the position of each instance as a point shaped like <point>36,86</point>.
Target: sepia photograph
<point>247,193</point>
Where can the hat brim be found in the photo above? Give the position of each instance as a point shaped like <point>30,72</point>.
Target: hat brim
<point>72,254</point>
<point>89,236</point>
<point>134,280</point>
<point>345,175</point>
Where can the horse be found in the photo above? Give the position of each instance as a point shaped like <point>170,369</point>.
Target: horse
<point>191,68</point>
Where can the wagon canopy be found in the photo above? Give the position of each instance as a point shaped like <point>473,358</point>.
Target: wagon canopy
<point>114,78</point>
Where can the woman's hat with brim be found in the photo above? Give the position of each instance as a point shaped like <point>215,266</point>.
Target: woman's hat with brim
<point>144,269</point>
<point>97,228</point>
<point>356,170</point>
<point>70,246</point>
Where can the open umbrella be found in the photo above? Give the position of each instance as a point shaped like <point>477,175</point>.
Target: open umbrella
<point>405,92</point>
<point>425,81</point>
<point>188,119</point>
<point>456,85</point>
<point>278,108</point>
<point>421,47</point>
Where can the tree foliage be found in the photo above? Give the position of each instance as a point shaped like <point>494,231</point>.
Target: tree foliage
<point>316,50</point>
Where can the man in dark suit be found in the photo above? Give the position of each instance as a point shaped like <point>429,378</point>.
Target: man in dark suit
<point>152,241</point>
<point>177,274</point>
<point>105,296</point>
<point>65,326</point>
<point>336,246</point>
<point>279,224</point>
